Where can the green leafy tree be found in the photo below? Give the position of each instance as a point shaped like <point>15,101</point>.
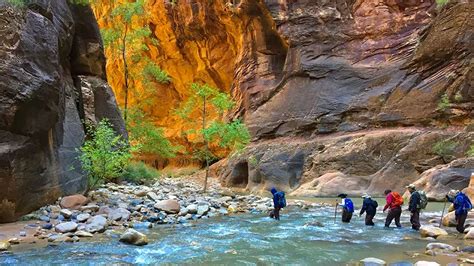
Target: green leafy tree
<point>104,156</point>
<point>147,138</point>
<point>205,102</point>
<point>128,46</point>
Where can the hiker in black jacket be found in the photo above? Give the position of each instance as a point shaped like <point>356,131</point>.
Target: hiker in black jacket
<point>413,207</point>
<point>369,206</point>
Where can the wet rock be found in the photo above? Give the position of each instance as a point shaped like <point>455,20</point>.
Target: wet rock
<point>4,246</point>
<point>73,202</point>
<point>470,234</point>
<point>45,218</point>
<point>23,233</point>
<point>168,206</point>
<point>426,263</point>
<point>14,241</point>
<point>314,223</point>
<point>90,207</point>
<point>372,262</point>
<point>142,225</point>
<point>202,209</point>
<point>432,231</point>
<point>97,223</point>
<point>119,214</point>
<point>83,217</point>
<point>83,234</point>
<point>192,208</point>
<point>440,246</point>
<point>134,237</point>
<point>468,249</point>
<point>232,209</point>
<point>66,227</point>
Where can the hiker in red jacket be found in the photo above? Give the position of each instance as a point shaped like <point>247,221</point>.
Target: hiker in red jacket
<point>394,206</point>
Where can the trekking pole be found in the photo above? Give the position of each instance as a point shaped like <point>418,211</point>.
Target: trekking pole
<point>442,213</point>
<point>335,212</point>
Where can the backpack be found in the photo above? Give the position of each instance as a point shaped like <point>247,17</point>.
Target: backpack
<point>349,205</point>
<point>467,205</point>
<point>397,199</point>
<point>423,199</point>
<point>280,199</point>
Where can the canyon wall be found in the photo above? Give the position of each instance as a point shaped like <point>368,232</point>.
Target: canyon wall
<point>52,80</point>
<point>338,95</point>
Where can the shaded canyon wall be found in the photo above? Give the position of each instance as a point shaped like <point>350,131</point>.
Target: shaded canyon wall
<point>52,79</point>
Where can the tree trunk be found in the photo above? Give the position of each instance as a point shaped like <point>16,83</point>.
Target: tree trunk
<point>206,144</point>
<point>125,70</point>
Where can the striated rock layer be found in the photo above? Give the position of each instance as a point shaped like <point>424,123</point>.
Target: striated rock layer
<point>52,78</point>
<point>348,74</point>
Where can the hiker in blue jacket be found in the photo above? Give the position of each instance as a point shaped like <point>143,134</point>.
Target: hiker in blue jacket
<point>369,206</point>
<point>279,202</point>
<point>347,208</point>
<point>461,205</point>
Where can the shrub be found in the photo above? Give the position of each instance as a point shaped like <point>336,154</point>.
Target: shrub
<point>470,152</point>
<point>104,156</point>
<point>444,103</point>
<point>441,2</point>
<point>444,148</point>
<point>139,172</point>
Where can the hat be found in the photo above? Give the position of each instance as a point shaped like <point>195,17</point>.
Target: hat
<point>453,193</point>
<point>411,186</point>
<point>365,195</point>
<point>342,195</point>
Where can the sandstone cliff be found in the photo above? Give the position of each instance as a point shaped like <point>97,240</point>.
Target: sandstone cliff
<point>339,95</point>
<point>52,78</point>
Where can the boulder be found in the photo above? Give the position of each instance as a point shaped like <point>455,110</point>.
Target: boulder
<point>426,263</point>
<point>202,209</point>
<point>470,234</point>
<point>97,223</point>
<point>66,227</point>
<point>372,262</point>
<point>134,237</point>
<point>119,214</point>
<point>83,217</point>
<point>192,208</point>
<point>74,202</point>
<point>168,206</point>
<point>432,231</point>
<point>83,234</point>
<point>440,246</point>
<point>66,213</point>
<point>4,245</point>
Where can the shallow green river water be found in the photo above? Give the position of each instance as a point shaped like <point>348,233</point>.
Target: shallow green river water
<point>250,239</point>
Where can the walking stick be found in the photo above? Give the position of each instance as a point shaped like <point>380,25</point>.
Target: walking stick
<point>442,213</point>
<point>335,212</point>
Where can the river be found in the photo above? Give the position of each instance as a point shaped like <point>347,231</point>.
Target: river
<point>247,239</point>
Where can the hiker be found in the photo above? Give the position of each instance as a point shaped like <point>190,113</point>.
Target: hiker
<point>461,205</point>
<point>279,202</point>
<point>347,208</point>
<point>369,206</point>
<point>417,202</point>
<point>394,206</point>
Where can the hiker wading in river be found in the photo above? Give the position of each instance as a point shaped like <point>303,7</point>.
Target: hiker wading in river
<point>369,206</point>
<point>417,202</point>
<point>279,202</point>
<point>394,206</point>
<point>347,208</point>
<point>461,206</point>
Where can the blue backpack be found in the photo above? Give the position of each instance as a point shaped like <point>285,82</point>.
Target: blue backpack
<point>467,205</point>
<point>280,199</point>
<point>349,205</point>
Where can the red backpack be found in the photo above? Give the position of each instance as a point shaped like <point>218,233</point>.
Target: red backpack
<point>397,199</point>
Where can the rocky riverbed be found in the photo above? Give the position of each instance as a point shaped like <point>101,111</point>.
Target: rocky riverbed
<point>133,214</point>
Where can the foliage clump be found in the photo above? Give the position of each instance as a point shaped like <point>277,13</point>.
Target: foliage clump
<point>445,149</point>
<point>444,103</point>
<point>204,102</point>
<point>139,172</point>
<point>470,152</point>
<point>104,156</point>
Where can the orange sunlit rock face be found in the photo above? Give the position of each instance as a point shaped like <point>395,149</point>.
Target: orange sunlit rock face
<point>198,42</point>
